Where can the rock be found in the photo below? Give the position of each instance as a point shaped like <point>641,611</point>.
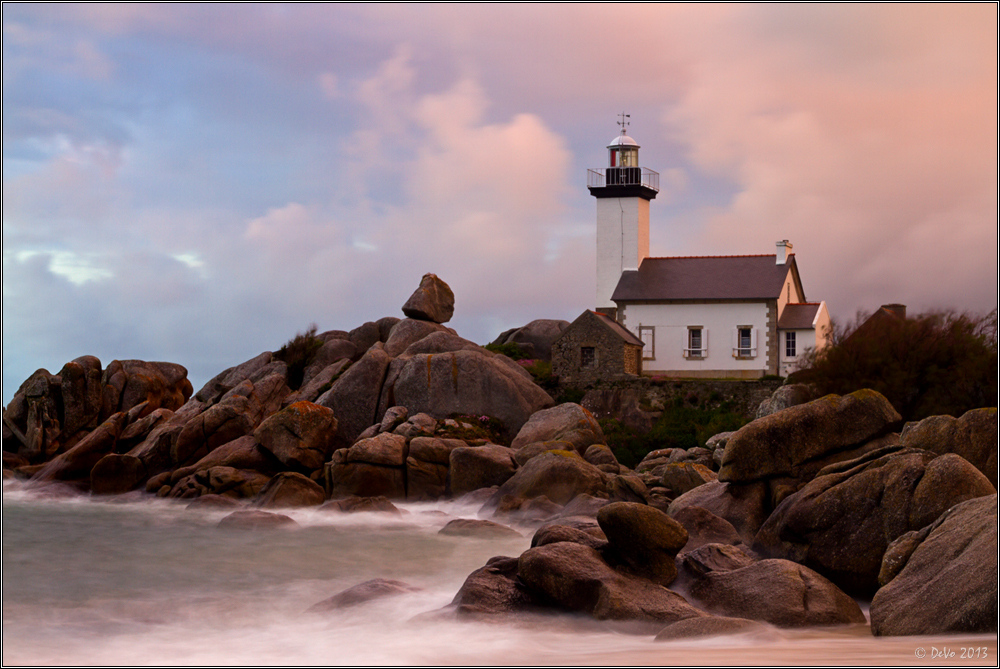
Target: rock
<point>362,479</point>
<point>584,505</point>
<point>431,301</point>
<point>643,538</point>
<point>300,436</point>
<point>949,583</point>
<point>573,577</point>
<point>704,527</point>
<point>126,383</point>
<point>427,467</point>
<point>115,474</point>
<point>567,422</point>
<point>472,468</point>
<point>409,331</point>
<point>417,425</point>
<point>777,444</point>
<point>841,524</point>
<point>745,506</point>
<point>356,504</point>
<point>973,436</point>
<point>713,558</point>
<point>76,463</point>
<point>382,449</point>
<point>466,382</point>
<point>228,379</point>
<point>553,533</point>
<point>137,431</point>
<point>219,480</point>
<point>393,417</point>
<point>377,588</point>
<point>332,351</point>
<point>354,396</point>
<point>692,628</point>
<point>81,394</point>
<point>559,476</point>
<point>493,591</point>
<point>784,397</point>
<point>241,453</point>
<point>468,527</point>
<point>217,425</point>
<point>779,592</point>
<point>601,457</point>
<point>289,489</point>
<point>318,383</point>
<point>535,339</point>
<point>256,520</point>
<point>364,337</point>
<point>623,404</point>
<point>680,477</point>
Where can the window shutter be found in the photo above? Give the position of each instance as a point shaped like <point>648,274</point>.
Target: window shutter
<point>704,342</point>
<point>736,342</point>
<point>753,341</point>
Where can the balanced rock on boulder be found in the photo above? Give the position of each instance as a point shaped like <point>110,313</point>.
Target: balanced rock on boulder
<point>432,301</point>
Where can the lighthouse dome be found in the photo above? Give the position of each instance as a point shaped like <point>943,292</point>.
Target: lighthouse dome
<point>623,140</point>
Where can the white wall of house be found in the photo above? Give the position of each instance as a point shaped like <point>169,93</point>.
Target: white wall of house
<point>622,241</point>
<point>814,338</point>
<point>671,325</point>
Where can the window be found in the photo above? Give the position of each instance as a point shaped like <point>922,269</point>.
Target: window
<point>646,334</point>
<point>744,342</point>
<point>697,342</point>
<point>588,357</point>
<point>789,344</point>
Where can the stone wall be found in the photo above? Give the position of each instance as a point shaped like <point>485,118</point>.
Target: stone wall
<point>610,353</point>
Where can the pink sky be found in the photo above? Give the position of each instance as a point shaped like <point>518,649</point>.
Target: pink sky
<point>198,183</point>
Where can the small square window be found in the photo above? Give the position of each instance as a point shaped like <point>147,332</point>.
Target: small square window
<point>588,357</point>
<point>697,343</point>
<point>744,342</point>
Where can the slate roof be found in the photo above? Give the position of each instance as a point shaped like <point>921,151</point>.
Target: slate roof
<point>617,328</point>
<point>798,316</point>
<point>705,278</point>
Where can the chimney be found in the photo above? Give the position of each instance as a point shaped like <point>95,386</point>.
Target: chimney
<point>784,246</point>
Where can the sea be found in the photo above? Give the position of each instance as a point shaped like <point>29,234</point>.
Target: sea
<point>142,581</point>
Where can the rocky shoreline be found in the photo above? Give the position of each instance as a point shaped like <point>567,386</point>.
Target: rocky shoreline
<point>789,521</point>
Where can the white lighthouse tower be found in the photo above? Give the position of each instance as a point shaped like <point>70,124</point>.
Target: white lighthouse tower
<point>623,191</point>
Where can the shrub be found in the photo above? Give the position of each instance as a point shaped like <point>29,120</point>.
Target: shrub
<point>931,364</point>
<point>510,349</point>
<point>297,353</point>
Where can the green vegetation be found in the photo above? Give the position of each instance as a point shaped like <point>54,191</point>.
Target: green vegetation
<point>297,353</point>
<point>511,350</point>
<point>679,426</point>
<point>931,364</point>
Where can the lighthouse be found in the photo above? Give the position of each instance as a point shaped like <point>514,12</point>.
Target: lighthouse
<point>623,190</point>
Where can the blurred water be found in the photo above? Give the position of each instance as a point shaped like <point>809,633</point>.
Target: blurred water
<point>149,582</point>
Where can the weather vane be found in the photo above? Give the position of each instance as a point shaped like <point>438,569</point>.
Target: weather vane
<point>623,123</point>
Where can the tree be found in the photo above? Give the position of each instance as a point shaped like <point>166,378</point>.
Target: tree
<point>930,364</point>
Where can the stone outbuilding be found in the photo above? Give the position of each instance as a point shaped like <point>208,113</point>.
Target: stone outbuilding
<point>595,347</point>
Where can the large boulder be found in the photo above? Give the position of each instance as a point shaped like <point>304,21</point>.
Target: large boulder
<point>494,591</point>
<point>779,592</point>
<point>354,396</point>
<point>427,466</point>
<point>76,463</point>
<point>432,301</point>
<point>475,467</point>
<point>377,588</point>
<point>299,436</point>
<point>558,475</point>
<point>410,331</point>
<point>574,577</point>
<point>471,382</point>
<point>642,538</point>
<point>973,436</point>
<point>949,582</point>
<point>746,506</point>
<point>780,443</point>
<point>841,523</point>
<point>791,395</point>
<point>535,339</point>
<point>126,383</point>
<point>567,422</point>
<point>289,489</point>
